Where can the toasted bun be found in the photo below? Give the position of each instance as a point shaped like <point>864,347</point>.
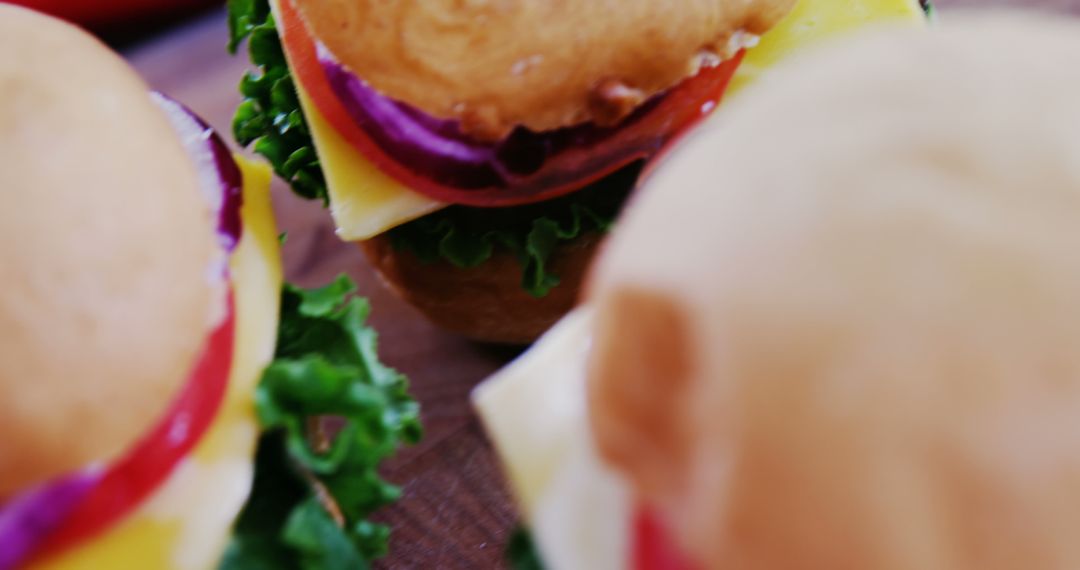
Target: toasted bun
<point>486,303</point>
<point>853,342</point>
<point>494,65</point>
<point>105,245</point>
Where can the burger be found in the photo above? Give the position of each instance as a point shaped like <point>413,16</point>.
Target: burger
<point>864,359</point>
<point>138,367</point>
<point>478,152</point>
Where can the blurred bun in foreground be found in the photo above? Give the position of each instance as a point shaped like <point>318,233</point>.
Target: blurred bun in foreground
<point>841,327</point>
<point>105,242</point>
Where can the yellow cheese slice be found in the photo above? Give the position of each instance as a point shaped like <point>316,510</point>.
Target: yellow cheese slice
<point>578,509</point>
<point>365,202</point>
<point>186,522</point>
<point>812,21</point>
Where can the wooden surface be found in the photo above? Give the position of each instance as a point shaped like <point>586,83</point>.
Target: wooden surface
<point>455,512</point>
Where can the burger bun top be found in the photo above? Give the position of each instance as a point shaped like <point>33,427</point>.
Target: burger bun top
<point>105,248</point>
<point>537,63</point>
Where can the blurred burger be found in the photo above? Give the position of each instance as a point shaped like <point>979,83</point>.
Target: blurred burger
<point>142,305</point>
<point>479,151</point>
<point>864,359</point>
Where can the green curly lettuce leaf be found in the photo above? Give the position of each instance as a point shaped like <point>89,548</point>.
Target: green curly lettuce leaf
<point>270,118</point>
<point>311,499</point>
<point>928,7</point>
<point>521,551</point>
<point>467,237</point>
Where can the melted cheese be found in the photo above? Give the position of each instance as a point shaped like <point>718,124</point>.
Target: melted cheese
<point>185,523</point>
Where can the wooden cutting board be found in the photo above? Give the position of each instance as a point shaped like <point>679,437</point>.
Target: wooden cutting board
<point>456,512</point>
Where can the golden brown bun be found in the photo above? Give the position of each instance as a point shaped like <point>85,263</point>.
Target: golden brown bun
<point>537,63</point>
<point>105,246</point>
<point>853,342</point>
<point>486,303</point>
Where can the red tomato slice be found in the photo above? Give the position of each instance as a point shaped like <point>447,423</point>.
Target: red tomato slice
<point>653,549</point>
<point>571,169</point>
<point>129,481</point>
<point>96,13</point>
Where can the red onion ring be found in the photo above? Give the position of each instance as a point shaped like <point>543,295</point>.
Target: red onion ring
<point>219,176</point>
<point>27,518</point>
<point>437,149</point>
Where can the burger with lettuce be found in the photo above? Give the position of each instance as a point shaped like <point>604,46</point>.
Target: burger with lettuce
<point>479,151</point>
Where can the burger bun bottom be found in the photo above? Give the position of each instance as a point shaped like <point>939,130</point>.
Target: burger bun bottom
<point>485,303</point>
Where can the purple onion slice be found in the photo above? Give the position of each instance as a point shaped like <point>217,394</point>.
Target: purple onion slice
<point>219,176</point>
<point>439,150</point>
<point>27,518</point>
